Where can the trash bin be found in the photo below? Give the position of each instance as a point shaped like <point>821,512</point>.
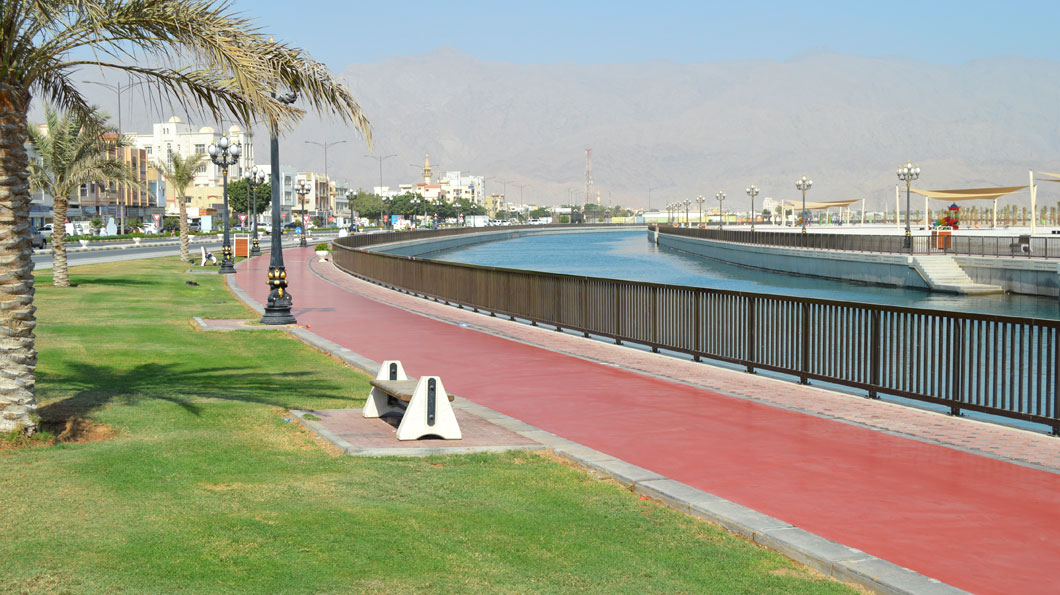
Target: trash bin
<point>242,247</point>
<point>942,242</point>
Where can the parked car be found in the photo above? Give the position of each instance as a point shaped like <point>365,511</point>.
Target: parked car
<point>37,239</point>
<point>194,226</point>
<point>46,230</point>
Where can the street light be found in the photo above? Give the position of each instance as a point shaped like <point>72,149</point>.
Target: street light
<point>907,173</point>
<point>700,199</point>
<point>303,188</point>
<point>351,195</point>
<point>325,144</point>
<point>752,191</point>
<point>278,306</point>
<point>255,177</point>
<point>688,222</point>
<point>224,154</point>
<point>803,184</point>
<point>721,219</point>
<point>117,88</point>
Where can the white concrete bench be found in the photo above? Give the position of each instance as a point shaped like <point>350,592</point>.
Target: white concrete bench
<point>423,404</point>
<point>206,256</point>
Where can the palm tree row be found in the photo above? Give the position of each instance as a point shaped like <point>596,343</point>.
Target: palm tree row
<point>195,53</point>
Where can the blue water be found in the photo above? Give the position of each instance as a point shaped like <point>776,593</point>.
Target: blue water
<point>630,256</point>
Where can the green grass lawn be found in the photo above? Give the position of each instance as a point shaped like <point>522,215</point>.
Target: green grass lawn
<point>205,488</point>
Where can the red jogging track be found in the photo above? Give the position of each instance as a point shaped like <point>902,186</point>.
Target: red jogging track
<point>974,522</point>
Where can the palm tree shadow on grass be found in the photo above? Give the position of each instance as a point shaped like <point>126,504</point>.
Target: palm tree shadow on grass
<point>78,281</point>
<point>99,386</point>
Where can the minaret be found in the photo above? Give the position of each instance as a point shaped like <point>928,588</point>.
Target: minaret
<point>427,170</point>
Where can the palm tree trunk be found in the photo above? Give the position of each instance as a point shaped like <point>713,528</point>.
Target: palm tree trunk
<point>18,359</point>
<point>183,230</point>
<point>60,272</point>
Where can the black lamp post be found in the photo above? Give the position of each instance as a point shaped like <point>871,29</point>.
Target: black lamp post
<point>721,218</point>
<point>752,191</point>
<point>255,177</point>
<point>350,197</point>
<point>907,173</point>
<point>224,154</point>
<point>278,308</point>
<point>803,184</point>
<point>303,188</point>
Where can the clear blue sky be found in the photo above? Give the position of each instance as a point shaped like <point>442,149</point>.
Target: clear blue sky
<point>339,32</point>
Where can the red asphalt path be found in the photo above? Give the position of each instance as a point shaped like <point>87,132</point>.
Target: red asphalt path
<point>977,523</point>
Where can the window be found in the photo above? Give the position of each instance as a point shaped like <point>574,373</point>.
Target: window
<point>200,148</point>
<point>148,149</point>
<point>202,169</point>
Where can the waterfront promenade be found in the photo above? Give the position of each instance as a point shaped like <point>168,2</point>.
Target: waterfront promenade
<point>974,505</point>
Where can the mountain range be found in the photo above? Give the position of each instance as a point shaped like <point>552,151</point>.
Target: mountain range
<point>682,130</point>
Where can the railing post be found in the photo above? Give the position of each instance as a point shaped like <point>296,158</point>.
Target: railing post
<point>804,362</point>
<point>958,365</point>
<point>875,340</point>
<point>618,313</point>
<point>697,345</point>
<point>585,306</point>
<point>750,350</point>
<point>654,317</point>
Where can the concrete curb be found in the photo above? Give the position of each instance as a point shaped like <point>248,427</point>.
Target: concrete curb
<point>836,560</point>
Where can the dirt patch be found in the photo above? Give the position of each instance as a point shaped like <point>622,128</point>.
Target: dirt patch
<point>68,431</point>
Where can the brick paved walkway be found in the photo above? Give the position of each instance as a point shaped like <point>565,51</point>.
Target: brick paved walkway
<point>914,494</point>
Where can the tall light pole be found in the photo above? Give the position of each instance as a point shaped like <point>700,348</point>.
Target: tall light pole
<point>118,88</point>
<point>303,188</point>
<point>351,196</point>
<point>752,191</point>
<point>700,199</point>
<point>278,306</point>
<point>721,219</point>
<point>255,177</point>
<point>803,184</point>
<point>325,144</point>
<point>688,222</point>
<point>907,173</point>
<point>225,154</point>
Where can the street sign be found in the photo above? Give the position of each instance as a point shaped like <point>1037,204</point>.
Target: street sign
<point>156,217</point>
<point>331,219</point>
<point>242,219</point>
<point>306,219</point>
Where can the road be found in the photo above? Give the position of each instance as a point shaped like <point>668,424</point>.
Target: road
<point>111,252</point>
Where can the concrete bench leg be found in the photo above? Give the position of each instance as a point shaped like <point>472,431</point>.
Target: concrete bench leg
<point>429,413</point>
<point>376,404</point>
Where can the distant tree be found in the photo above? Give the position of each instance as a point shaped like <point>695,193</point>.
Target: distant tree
<point>180,174</point>
<point>540,212</point>
<point>240,199</point>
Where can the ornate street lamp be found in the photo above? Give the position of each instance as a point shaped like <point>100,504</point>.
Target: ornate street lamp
<point>688,222</point>
<point>721,218</point>
<point>350,197</point>
<point>224,154</point>
<point>278,306</point>
<point>752,191</point>
<point>303,188</point>
<point>803,184</point>
<point>700,199</point>
<point>907,173</point>
<point>255,177</point>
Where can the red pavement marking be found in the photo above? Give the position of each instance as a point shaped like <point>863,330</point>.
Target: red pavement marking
<point>974,522</point>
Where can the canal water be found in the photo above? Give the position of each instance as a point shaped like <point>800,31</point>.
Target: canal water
<point>630,256</point>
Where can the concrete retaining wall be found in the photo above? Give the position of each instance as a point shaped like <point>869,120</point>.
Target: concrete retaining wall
<point>1016,275</point>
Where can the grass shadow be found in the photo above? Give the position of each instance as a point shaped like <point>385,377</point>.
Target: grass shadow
<point>98,386</point>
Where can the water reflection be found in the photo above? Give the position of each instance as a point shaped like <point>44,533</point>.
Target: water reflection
<point>629,255</point>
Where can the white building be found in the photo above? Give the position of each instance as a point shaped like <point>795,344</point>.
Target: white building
<point>176,137</point>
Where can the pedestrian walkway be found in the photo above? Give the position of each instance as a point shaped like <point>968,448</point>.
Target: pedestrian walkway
<point>974,505</point>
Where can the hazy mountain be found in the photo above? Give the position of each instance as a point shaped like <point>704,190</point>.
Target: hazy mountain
<point>687,129</point>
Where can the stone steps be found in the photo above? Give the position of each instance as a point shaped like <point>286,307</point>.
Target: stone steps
<point>942,273</point>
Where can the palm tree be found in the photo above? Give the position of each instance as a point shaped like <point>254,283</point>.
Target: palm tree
<point>195,53</point>
<point>180,175</point>
<point>73,150</point>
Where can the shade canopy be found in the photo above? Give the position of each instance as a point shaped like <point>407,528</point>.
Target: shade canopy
<point>810,205</point>
<point>1057,176</point>
<point>968,193</point>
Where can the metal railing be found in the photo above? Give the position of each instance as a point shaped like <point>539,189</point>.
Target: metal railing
<point>1002,365</point>
<point>361,240</point>
<point>1024,246</point>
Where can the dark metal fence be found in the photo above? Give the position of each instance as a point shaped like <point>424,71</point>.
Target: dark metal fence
<point>1002,365</point>
<point>361,240</point>
<point>1012,246</point>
